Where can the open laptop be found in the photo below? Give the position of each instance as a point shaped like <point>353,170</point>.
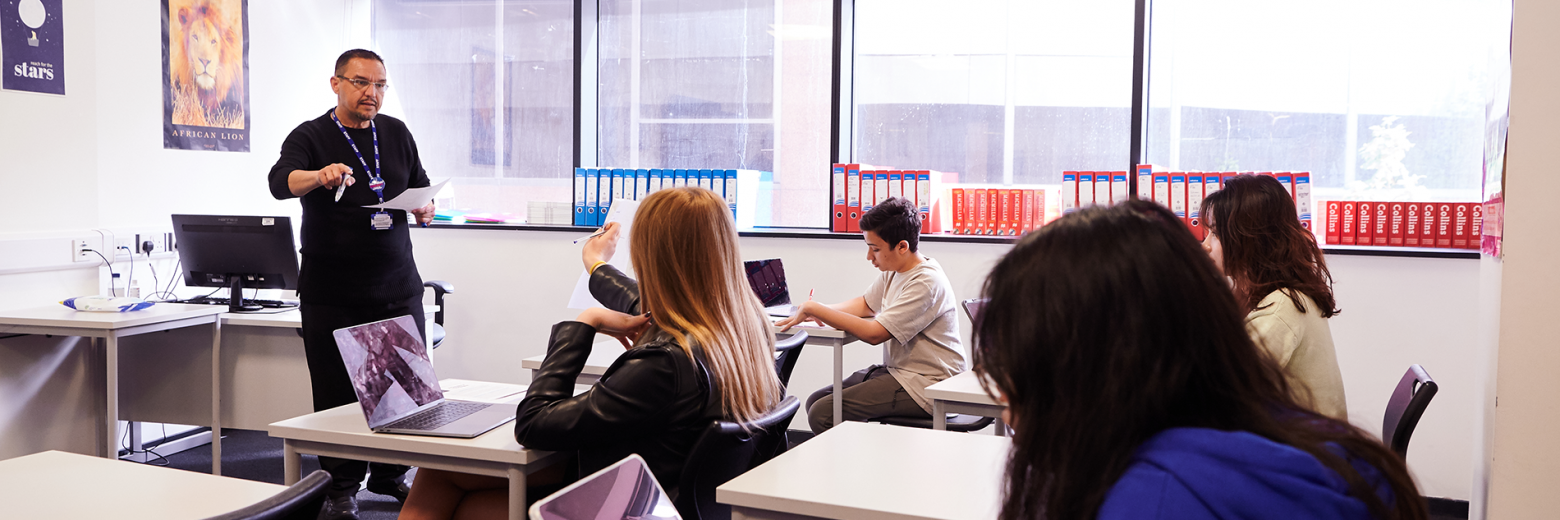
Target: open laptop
<point>623,491</point>
<point>768,280</point>
<point>398,390</point>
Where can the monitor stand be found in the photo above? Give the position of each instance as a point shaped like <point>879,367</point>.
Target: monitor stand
<point>236,296</point>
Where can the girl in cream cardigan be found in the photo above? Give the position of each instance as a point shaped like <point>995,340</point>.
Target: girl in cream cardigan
<point>1281,280</point>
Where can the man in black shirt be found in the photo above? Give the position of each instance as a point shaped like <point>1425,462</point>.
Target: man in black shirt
<point>357,262</point>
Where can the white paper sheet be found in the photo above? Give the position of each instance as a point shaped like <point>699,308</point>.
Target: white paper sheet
<point>622,212</point>
<point>412,198</point>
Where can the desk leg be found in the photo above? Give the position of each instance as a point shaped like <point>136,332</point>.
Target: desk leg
<point>516,493</point>
<point>110,446</point>
<point>939,416</point>
<point>839,381</point>
<point>292,464</point>
<point>216,396</point>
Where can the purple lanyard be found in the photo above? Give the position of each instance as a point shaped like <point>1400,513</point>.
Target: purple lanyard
<point>375,182</point>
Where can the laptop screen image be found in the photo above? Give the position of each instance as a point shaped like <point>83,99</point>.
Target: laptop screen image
<point>625,490</point>
<point>768,280</point>
<point>389,367</point>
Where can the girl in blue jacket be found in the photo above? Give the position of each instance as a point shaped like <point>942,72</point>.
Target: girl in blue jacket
<point>1134,391</point>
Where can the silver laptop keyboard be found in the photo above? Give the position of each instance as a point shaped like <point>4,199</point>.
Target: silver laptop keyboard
<point>433,418</point>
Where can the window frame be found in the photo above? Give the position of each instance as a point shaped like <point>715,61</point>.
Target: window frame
<point>586,76</point>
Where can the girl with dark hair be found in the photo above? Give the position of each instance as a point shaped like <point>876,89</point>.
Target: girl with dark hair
<point>1135,392</point>
<point>1280,281</point>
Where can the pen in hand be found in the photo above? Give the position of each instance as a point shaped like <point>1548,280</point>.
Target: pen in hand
<point>598,233</point>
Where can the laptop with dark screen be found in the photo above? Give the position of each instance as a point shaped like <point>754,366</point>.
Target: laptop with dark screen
<point>768,280</point>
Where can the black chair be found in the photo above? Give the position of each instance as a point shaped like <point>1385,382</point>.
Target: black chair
<point>724,451</point>
<point>788,350</point>
<point>299,501</point>
<point>1407,405</point>
<point>436,329</point>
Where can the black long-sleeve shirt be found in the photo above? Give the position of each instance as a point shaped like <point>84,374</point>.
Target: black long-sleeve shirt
<point>345,261</point>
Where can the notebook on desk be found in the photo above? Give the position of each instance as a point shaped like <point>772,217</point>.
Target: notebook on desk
<point>767,277</point>
<point>398,390</point>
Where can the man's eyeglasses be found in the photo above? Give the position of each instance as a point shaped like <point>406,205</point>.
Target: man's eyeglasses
<point>363,83</point>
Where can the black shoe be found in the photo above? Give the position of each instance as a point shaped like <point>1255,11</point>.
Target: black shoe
<point>396,488</point>
<point>339,508</point>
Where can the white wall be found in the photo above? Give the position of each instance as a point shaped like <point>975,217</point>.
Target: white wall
<point>1520,455</point>
<point>94,159</point>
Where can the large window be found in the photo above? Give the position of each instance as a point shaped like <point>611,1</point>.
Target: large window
<point>452,63</point>
<point>728,84</point>
<point>993,91</point>
<point>1378,99</point>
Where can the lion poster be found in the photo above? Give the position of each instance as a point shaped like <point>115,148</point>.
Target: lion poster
<point>206,75</point>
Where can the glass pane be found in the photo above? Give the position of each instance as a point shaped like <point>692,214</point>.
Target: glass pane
<point>446,71</point>
<point>996,91</point>
<point>1379,99</point>
<point>699,84</point>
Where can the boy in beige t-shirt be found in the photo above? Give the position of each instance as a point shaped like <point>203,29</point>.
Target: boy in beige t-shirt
<point>910,305</point>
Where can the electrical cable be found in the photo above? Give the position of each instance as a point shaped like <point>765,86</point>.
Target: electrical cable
<point>110,265</point>
<point>130,281</point>
<point>178,273</point>
<point>124,443</point>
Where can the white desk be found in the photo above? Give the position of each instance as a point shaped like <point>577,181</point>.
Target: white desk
<point>962,394</point>
<point>106,328</point>
<point>342,432</point>
<point>831,337</point>
<point>55,484</point>
<point>602,354</point>
<point>875,471</point>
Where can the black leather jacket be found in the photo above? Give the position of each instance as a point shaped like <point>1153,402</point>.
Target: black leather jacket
<point>654,400</point>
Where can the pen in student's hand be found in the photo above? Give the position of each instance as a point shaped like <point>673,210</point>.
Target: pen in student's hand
<point>598,233</point>
<point>809,294</point>
<point>340,189</point>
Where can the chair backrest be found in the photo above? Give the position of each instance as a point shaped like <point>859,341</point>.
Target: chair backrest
<point>299,501</point>
<point>1408,403</point>
<point>436,330</point>
<point>724,451</point>
<point>788,351</point>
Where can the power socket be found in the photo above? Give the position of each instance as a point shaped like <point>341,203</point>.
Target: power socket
<point>81,250</point>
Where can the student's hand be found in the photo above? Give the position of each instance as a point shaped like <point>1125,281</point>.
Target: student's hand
<point>804,312</point>
<point>601,248</point>
<point>333,175</point>
<point>424,214</point>
<point>625,327</point>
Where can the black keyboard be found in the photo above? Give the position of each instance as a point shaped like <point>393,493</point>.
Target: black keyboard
<point>433,418</point>
<point>269,304</point>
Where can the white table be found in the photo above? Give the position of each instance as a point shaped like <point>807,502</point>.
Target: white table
<point>106,328</point>
<point>342,432</point>
<point>875,471</point>
<point>55,484</point>
<point>831,337</point>
<point>602,354</point>
<point>962,393</point>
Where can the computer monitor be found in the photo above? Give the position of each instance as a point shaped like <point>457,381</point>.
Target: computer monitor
<point>238,252</point>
